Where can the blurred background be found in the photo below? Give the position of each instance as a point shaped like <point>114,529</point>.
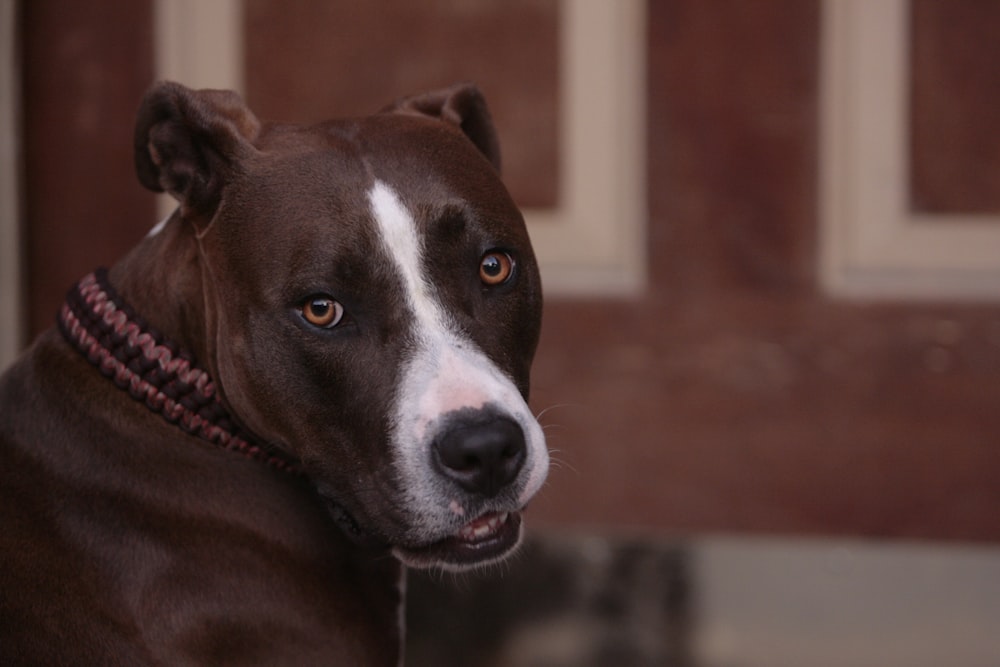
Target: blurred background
<point>770,236</point>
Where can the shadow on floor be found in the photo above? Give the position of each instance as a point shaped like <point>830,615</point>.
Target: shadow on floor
<point>561,602</point>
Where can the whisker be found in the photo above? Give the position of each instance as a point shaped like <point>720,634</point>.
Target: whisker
<point>556,462</point>
<point>553,407</point>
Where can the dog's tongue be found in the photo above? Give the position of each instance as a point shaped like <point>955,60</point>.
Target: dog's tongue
<point>483,528</point>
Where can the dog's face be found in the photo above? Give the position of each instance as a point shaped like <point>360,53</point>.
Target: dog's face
<point>372,306</point>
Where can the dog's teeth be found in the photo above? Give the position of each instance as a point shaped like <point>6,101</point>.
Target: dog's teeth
<point>482,527</point>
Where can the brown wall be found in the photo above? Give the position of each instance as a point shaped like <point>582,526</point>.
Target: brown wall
<point>735,396</point>
<point>731,396</point>
<point>85,66</point>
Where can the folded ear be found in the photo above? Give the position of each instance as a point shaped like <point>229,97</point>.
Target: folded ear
<point>462,105</point>
<point>187,142</point>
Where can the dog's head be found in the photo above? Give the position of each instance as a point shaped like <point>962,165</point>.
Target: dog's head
<point>372,306</point>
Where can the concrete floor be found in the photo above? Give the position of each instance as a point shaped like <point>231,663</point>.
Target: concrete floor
<point>587,601</point>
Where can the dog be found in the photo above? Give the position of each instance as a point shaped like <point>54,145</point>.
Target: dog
<point>313,375</point>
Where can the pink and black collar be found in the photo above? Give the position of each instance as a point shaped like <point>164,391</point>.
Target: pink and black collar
<point>112,337</point>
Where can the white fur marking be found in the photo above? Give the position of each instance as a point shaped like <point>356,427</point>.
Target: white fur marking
<point>399,235</point>
<point>446,372</point>
<point>159,226</point>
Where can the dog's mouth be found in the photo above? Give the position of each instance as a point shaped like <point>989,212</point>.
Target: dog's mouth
<point>487,539</point>
<point>484,540</point>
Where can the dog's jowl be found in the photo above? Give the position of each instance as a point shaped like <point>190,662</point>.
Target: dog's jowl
<point>313,375</point>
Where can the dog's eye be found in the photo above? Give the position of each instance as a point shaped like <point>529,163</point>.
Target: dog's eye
<point>323,312</point>
<point>495,268</point>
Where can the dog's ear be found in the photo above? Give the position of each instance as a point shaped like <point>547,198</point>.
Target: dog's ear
<point>187,142</point>
<point>462,105</point>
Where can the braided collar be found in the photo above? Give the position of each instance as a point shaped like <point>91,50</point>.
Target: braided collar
<point>154,371</point>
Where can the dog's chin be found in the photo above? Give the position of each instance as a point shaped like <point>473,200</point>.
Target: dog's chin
<point>486,540</point>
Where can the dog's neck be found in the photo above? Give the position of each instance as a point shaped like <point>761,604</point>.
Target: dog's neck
<point>163,273</point>
<point>152,369</point>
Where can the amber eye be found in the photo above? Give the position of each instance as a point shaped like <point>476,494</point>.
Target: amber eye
<point>322,312</point>
<point>495,268</point>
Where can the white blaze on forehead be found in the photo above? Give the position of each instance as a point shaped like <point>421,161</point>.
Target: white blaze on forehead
<point>399,236</point>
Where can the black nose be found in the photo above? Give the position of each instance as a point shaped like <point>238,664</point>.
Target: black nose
<point>482,457</point>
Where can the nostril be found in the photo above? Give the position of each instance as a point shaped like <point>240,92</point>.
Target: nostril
<point>482,457</point>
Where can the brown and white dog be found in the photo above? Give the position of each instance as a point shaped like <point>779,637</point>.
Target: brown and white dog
<point>311,376</point>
